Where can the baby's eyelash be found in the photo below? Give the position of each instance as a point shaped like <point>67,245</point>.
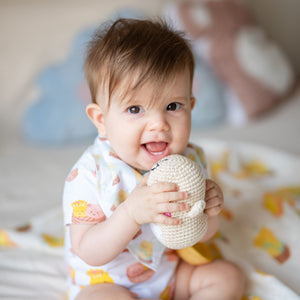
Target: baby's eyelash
<point>174,106</point>
<point>135,109</point>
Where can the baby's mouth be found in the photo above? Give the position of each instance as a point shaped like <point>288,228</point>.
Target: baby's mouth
<point>157,148</point>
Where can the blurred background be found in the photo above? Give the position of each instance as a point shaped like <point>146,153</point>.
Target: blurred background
<point>280,21</point>
<point>254,97</point>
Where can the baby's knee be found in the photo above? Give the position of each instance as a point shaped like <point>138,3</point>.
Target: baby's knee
<point>105,291</point>
<point>231,276</point>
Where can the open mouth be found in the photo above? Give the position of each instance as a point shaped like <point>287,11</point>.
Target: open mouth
<point>157,150</point>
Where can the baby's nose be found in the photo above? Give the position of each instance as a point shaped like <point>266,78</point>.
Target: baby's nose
<point>158,123</point>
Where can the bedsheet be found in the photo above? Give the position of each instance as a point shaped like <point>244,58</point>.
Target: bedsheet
<point>259,229</point>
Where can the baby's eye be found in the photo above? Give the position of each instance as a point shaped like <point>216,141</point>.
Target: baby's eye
<point>173,106</point>
<point>135,109</point>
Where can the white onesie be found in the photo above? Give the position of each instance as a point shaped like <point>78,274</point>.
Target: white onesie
<point>96,185</point>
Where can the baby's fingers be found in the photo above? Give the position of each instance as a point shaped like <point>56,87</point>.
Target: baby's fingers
<point>213,193</point>
<point>171,196</point>
<point>163,219</point>
<point>213,211</point>
<point>213,202</point>
<point>213,207</point>
<point>171,207</point>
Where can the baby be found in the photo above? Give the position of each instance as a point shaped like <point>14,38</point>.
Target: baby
<point>140,76</point>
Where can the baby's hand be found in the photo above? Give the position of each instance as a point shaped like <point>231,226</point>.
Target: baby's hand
<point>213,198</point>
<point>150,204</point>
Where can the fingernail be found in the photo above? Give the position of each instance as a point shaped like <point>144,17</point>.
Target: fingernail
<point>168,214</point>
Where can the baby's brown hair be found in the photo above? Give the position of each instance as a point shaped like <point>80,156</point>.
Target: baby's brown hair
<point>145,48</point>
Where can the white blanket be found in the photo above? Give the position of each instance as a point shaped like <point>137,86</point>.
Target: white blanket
<point>259,229</point>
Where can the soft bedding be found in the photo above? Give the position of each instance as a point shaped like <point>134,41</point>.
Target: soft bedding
<point>258,229</point>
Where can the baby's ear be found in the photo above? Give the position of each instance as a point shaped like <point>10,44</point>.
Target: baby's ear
<point>193,101</point>
<point>96,115</point>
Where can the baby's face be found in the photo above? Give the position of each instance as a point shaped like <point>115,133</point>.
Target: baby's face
<point>142,130</point>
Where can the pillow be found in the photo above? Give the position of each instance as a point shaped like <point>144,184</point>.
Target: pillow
<point>58,115</point>
<point>210,107</point>
<point>253,67</point>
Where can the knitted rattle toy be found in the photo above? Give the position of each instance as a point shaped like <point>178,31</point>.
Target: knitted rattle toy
<point>188,176</point>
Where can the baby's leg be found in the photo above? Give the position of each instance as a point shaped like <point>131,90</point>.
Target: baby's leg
<point>216,280</point>
<point>105,291</point>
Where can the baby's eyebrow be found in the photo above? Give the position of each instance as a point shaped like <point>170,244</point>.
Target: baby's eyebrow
<point>128,101</point>
<point>180,98</point>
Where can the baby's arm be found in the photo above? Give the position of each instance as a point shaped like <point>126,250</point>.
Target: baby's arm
<point>214,203</point>
<point>100,243</point>
<point>97,244</point>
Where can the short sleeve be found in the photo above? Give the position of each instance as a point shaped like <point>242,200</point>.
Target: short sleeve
<point>81,194</point>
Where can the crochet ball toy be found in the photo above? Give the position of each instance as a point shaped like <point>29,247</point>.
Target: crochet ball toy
<point>189,177</point>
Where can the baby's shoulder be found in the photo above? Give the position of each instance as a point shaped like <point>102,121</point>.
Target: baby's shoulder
<point>86,165</point>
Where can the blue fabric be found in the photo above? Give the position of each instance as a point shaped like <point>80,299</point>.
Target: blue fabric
<point>209,91</point>
<point>58,116</point>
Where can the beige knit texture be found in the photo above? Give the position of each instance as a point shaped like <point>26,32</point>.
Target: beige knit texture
<point>189,177</point>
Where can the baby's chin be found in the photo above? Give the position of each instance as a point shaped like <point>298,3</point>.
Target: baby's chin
<point>143,168</point>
